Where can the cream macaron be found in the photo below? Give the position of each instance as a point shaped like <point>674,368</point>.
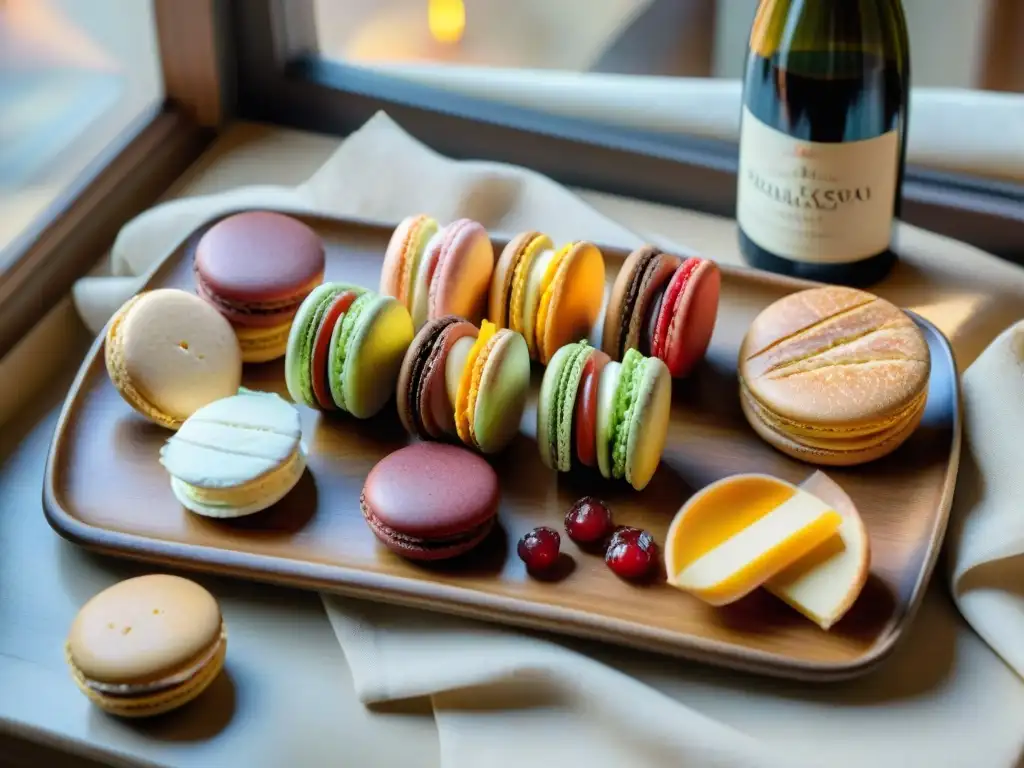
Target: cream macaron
<point>147,645</point>
<point>169,353</point>
<point>236,456</point>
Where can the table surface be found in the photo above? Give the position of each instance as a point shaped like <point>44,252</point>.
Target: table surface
<point>287,697</point>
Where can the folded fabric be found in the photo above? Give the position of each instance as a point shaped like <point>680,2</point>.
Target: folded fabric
<point>507,698</point>
<point>986,534</point>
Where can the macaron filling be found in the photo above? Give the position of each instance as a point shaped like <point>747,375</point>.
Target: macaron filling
<point>445,541</point>
<point>173,680</point>
<point>622,414</point>
<point>274,484</point>
<point>548,283</point>
<point>342,338</point>
<point>518,299</point>
<point>419,299</point>
<point>319,365</point>
<point>585,417</point>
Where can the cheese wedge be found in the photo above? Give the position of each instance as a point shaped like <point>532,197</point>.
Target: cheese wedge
<point>823,584</point>
<point>738,533</point>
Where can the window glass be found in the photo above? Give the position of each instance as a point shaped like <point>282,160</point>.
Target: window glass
<point>74,75</point>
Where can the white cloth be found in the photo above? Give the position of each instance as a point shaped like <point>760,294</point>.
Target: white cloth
<point>508,698</point>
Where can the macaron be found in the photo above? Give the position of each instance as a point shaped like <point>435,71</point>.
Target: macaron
<point>665,306</point>
<point>236,456</point>
<point>551,296</point>
<point>169,353</point>
<point>595,411</point>
<point>834,376</point>
<point>345,349</point>
<point>146,645</point>
<point>461,381</point>
<point>256,268</point>
<point>436,271</point>
<point>430,501</point>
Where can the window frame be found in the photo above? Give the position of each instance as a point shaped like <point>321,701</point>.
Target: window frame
<point>281,79</point>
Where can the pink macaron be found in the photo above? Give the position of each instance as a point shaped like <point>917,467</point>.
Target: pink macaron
<point>430,501</point>
<point>436,271</point>
<point>257,267</point>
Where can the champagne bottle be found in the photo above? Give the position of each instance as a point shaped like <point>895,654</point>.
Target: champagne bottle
<point>823,138</point>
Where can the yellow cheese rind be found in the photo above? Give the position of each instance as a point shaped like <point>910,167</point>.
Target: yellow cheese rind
<point>739,533</point>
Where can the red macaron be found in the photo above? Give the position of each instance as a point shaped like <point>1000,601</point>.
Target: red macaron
<point>431,501</point>
<point>257,267</point>
<point>665,306</point>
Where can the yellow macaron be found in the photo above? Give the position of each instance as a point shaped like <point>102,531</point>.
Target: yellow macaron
<point>834,376</point>
<point>552,296</point>
<point>147,645</point>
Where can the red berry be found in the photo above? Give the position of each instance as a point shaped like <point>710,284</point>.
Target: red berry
<point>631,553</point>
<point>539,548</point>
<point>588,521</point>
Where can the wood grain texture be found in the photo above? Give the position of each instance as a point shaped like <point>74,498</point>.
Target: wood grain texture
<point>106,490</point>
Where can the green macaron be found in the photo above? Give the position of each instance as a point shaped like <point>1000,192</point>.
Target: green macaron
<point>345,349</point>
<point>633,409</point>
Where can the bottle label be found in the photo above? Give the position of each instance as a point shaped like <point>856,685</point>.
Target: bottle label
<point>812,201</point>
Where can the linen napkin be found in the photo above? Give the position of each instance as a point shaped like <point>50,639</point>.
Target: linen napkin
<point>504,697</point>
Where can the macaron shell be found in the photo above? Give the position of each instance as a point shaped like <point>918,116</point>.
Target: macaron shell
<point>373,357</point>
<point>655,277</point>
<point>402,255</point>
<point>432,491</point>
<point>648,427</point>
<point>143,629</point>
<point>502,393</point>
<point>259,256</point>
<point>628,277</point>
<point>576,301</point>
<point>409,375</point>
<point>565,406</point>
<point>462,277</point>
<point>692,321</point>
<point>233,441</point>
<point>437,409</point>
<point>169,353</point>
<point>547,404</point>
<point>513,264</point>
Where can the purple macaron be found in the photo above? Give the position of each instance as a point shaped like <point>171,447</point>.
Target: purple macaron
<point>431,501</point>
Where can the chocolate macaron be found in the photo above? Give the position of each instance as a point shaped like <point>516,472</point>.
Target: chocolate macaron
<point>256,268</point>
<point>430,501</point>
<point>665,306</point>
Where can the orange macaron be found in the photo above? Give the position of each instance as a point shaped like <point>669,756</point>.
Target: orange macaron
<point>552,296</point>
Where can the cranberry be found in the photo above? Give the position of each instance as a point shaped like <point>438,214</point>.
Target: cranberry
<point>588,521</point>
<point>539,548</point>
<point>631,553</point>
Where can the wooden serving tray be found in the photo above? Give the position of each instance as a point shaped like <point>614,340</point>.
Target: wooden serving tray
<point>105,489</point>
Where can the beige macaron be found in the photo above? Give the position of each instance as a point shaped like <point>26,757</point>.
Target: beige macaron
<point>147,645</point>
<point>169,353</point>
<point>834,375</point>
